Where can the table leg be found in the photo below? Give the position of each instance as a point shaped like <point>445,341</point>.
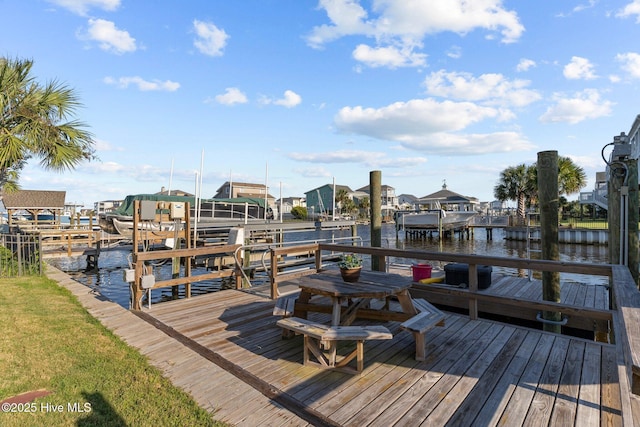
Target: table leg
<point>303,298</point>
<point>337,310</point>
<point>404,298</point>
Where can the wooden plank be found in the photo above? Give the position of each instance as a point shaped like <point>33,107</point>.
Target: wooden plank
<point>473,377</point>
<point>610,393</point>
<point>284,306</point>
<point>588,412</point>
<point>369,332</point>
<point>386,383</point>
<point>408,399</point>
<point>303,326</point>
<point>423,321</point>
<point>511,408</point>
<point>627,302</point>
<point>566,401</point>
<point>446,381</point>
<point>491,394</point>
<point>542,403</point>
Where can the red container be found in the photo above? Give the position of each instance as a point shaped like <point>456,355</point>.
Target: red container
<point>420,271</point>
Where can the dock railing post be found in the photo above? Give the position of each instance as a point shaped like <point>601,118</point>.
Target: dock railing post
<point>473,288</point>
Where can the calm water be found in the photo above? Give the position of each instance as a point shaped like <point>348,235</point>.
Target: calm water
<point>109,281</point>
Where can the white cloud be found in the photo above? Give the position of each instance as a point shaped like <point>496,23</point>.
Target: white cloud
<point>582,106</point>
<point>81,7</point>
<point>406,24</point>
<point>401,121</point>
<point>109,37</point>
<point>579,69</point>
<point>232,96</point>
<point>525,64</point>
<point>143,85</point>
<point>630,63</point>
<point>454,52</point>
<point>290,99</point>
<point>318,172</point>
<point>470,144</point>
<point>101,145</point>
<point>368,158</point>
<point>631,9</point>
<point>430,126</point>
<point>210,39</point>
<point>105,167</point>
<point>347,17</point>
<point>389,56</point>
<point>491,89</point>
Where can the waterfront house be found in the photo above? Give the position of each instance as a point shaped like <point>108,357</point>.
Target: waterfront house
<point>320,200</point>
<point>389,202</point>
<point>105,206</point>
<point>233,190</point>
<point>449,201</point>
<point>288,203</point>
<point>624,147</point>
<point>165,192</point>
<point>407,202</point>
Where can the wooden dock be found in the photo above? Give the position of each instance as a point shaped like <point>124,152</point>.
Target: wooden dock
<point>477,372</point>
<point>226,350</point>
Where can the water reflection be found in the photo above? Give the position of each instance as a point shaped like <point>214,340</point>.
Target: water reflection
<point>108,279</point>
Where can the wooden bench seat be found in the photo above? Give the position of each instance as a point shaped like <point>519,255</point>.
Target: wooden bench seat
<point>285,305</point>
<point>428,316</point>
<point>316,333</point>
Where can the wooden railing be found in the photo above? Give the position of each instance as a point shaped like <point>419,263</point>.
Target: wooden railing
<point>68,242</point>
<point>184,256</point>
<point>626,301</point>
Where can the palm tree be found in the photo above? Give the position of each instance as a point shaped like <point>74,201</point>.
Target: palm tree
<point>571,177</point>
<point>364,205</point>
<point>34,123</point>
<point>520,183</point>
<point>515,184</point>
<point>341,198</point>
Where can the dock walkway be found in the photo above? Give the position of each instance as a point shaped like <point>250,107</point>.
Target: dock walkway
<point>225,349</point>
<point>213,388</point>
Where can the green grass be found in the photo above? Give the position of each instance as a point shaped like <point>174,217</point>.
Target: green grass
<point>50,342</point>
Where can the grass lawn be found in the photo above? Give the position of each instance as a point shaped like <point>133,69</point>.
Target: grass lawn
<point>49,342</point>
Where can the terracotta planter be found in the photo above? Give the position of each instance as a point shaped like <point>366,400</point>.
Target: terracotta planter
<point>350,274</point>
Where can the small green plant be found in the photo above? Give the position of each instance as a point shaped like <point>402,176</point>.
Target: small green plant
<point>350,261</point>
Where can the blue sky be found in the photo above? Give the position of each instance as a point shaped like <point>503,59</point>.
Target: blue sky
<point>305,92</point>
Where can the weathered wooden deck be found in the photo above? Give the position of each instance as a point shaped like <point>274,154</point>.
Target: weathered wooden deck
<point>478,372</point>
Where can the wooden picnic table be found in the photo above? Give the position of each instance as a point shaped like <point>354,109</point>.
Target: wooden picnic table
<point>358,295</point>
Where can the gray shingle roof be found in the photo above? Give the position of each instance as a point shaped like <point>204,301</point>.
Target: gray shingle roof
<point>34,199</point>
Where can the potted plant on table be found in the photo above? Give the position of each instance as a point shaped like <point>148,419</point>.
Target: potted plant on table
<point>350,267</point>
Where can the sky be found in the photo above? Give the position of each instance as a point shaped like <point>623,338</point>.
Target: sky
<point>301,93</point>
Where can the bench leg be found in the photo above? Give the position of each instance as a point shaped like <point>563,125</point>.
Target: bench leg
<point>358,354</point>
<point>421,346</point>
<point>311,345</point>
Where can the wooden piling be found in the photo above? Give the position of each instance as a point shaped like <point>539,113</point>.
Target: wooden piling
<point>548,199</point>
<point>375,184</point>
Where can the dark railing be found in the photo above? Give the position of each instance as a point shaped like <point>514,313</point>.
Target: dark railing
<point>20,255</point>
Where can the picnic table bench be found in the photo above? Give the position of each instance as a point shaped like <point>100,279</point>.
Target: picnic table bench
<point>315,333</point>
